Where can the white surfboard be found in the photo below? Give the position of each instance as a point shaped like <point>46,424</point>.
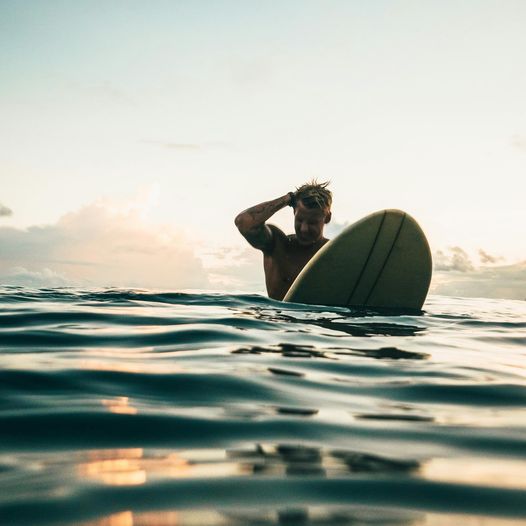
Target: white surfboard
<point>382,261</point>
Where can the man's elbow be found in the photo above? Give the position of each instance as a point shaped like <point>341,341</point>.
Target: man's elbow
<point>241,223</point>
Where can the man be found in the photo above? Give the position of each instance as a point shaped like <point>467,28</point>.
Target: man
<point>284,256</point>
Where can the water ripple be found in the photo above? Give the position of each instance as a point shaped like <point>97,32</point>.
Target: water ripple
<point>146,406</point>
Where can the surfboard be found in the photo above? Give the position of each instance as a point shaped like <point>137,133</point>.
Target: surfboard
<point>381,261</point>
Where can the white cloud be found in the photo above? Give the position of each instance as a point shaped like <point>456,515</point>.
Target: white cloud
<point>101,245</point>
<point>507,281</point>
<point>456,260</point>
<point>334,228</point>
<point>455,274</point>
<point>46,277</point>
<point>5,211</point>
<point>486,258</point>
<point>234,268</point>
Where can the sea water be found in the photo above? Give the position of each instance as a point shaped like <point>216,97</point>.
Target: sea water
<point>128,407</point>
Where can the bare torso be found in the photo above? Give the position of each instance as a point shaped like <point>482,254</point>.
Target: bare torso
<point>285,261</point>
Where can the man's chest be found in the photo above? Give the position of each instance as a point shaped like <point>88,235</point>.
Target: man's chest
<point>288,264</point>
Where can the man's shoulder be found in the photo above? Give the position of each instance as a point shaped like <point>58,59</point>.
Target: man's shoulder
<point>289,240</point>
<point>279,240</point>
<point>276,231</point>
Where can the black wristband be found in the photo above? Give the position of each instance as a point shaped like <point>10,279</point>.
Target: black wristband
<point>292,202</point>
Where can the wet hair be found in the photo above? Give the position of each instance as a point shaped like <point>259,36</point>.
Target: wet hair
<point>314,195</point>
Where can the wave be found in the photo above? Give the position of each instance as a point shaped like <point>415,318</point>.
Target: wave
<point>144,404</point>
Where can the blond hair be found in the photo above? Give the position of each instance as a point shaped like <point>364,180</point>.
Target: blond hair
<point>314,195</point>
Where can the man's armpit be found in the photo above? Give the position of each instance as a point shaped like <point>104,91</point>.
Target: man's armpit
<point>261,238</point>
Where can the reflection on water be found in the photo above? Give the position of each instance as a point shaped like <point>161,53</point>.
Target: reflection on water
<point>287,350</point>
<point>296,411</point>
<point>124,467</point>
<point>354,323</point>
<point>307,516</point>
<point>135,466</point>
<point>290,350</point>
<point>125,518</point>
<point>120,405</point>
<point>400,417</point>
<point>121,467</point>
<point>487,472</point>
<point>294,460</point>
<point>387,353</point>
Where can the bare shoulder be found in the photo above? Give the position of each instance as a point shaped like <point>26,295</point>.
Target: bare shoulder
<point>264,237</point>
<point>278,239</point>
<point>278,233</point>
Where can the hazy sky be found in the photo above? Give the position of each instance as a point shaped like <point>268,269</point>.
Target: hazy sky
<point>159,121</point>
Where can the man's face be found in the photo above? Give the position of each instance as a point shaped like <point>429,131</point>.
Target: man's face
<point>309,223</point>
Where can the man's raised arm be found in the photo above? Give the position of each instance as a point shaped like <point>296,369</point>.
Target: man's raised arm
<point>251,222</point>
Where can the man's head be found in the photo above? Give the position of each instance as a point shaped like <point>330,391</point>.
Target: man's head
<point>312,211</point>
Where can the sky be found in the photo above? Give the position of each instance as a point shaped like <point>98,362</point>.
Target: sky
<point>133,132</point>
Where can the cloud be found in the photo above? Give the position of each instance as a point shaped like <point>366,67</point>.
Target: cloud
<point>334,228</point>
<point>23,277</point>
<point>101,245</point>
<point>456,275</point>
<point>507,281</point>
<point>5,211</point>
<point>457,260</point>
<point>234,268</point>
<point>486,258</point>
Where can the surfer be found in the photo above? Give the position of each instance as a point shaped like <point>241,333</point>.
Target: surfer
<point>285,255</point>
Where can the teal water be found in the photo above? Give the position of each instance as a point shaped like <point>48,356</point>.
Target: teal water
<point>127,407</point>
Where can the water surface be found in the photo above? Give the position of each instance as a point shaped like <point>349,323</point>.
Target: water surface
<point>127,407</point>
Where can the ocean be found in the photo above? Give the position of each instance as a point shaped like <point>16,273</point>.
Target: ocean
<point>133,407</point>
